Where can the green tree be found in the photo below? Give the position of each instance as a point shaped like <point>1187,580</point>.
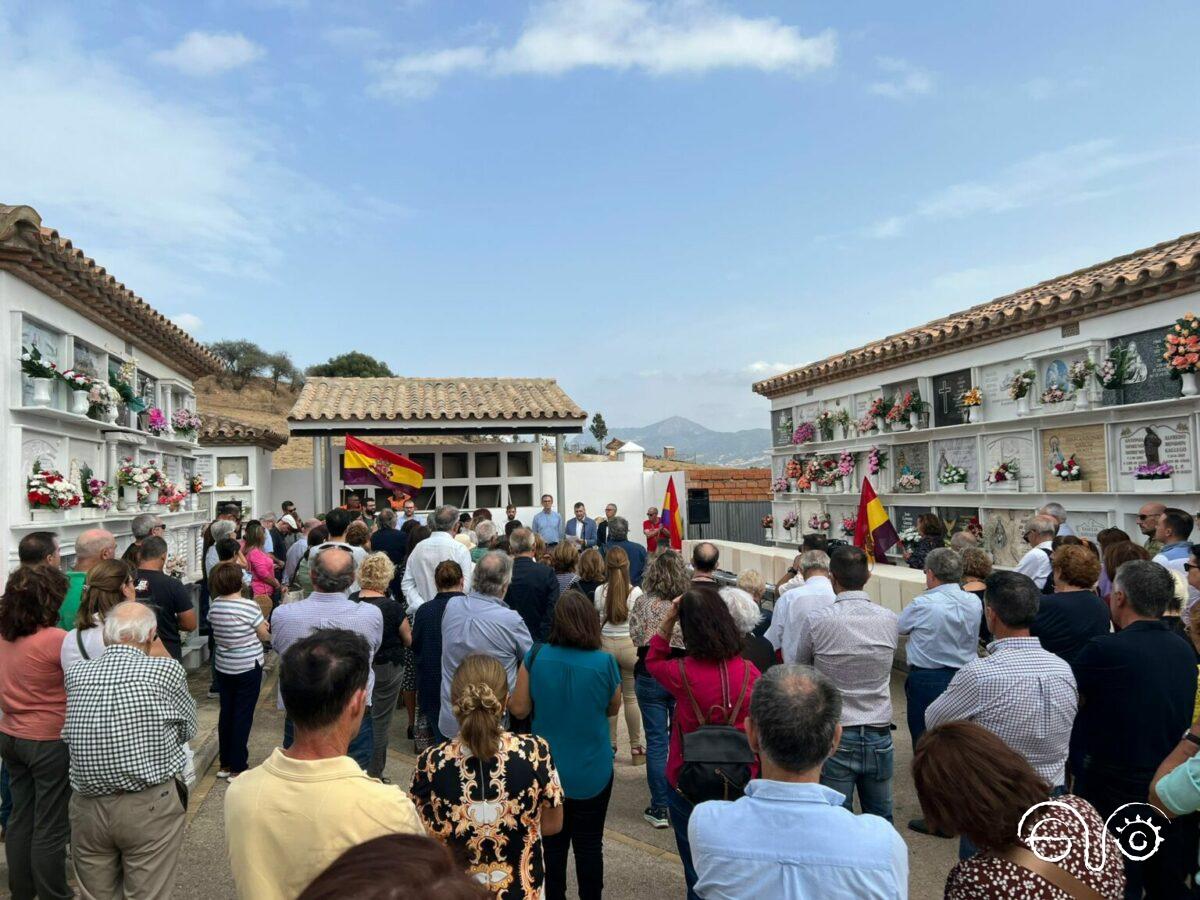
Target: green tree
<point>279,366</point>
<point>352,365</point>
<point>599,429</point>
<point>243,360</point>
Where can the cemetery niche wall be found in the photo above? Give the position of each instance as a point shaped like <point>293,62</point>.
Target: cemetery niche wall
<point>1078,437</point>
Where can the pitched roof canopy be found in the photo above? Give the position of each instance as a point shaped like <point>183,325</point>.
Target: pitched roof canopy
<point>51,263</point>
<point>219,431</point>
<point>410,404</point>
<point>1137,278</point>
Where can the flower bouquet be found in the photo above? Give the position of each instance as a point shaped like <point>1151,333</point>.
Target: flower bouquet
<point>175,566</point>
<point>1019,386</point>
<point>1153,478</point>
<point>1053,394</point>
<point>185,423</point>
<point>953,478</point>
<point>846,470</point>
<point>842,419</point>
<point>781,486</point>
<point>79,384</point>
<point>171,495</point>
<point>1181,352</point>
<point>1005,477</point>
<point>768,522</point>
<point>48,491</point>
<point>876,461</point>
<point>124,382</point>
<point>919,409</point>
<point>97,493</point>
<point>849,525</point>
<point>790,521</point>
<point>102,402</point>
<point>196,483</point>
<point>972,401</point>
<point>866,424</point>
<point>805,433</point>
<point>820,522</point>
<point>909,482</point>
<point>878,411</point>
<point>138,481</point>
<point>156,422</point>
<point>1070,475</point>
<point>825,422</point>
<point>910,537</point>
<point>898,414</point>
<point>41,373</point>
<point>1116,370</point>
<point>792,469</point>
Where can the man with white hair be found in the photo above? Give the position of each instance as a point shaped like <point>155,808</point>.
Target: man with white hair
<point>1039,535</point>
<point>129,716</point>
<point>418,583</point>
<point>1058,512</point>
<point>93,546</point>
<point>142,526</point>
<point>793,607</point>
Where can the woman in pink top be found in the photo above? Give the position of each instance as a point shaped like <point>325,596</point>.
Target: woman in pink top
<point>263,582</point>
<point>34,704</point>
<point>719,683</point>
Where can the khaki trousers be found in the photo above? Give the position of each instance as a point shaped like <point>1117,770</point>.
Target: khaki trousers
<point>126,845</point>
<point>622,648</point>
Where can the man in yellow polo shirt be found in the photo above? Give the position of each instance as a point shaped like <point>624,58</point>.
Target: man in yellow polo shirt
<point>288,819</point>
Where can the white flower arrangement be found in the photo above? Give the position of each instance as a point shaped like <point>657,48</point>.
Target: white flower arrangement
<point>953,475</point>
<point>910,537</point>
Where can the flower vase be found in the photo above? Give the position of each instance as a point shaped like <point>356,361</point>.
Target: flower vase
<point>769,536</point>
<point>1082,400</point>
<point>43,390</point>
<point>1153,485</point>
<point>45,514</point>
<point>1075,487</point>
<point>914,421</point>
<point>79,403</point>
<point>1187,381</point>
<point>1023,405</point>
<point>109,416</point>
<point>974,414</point>
<point>958,487</point>
<point>73,514</point>
<point>880,424</point>
<point>839,433</point>
<point>129,497</point>
<point>1010,484</point>
<point>848,484</point>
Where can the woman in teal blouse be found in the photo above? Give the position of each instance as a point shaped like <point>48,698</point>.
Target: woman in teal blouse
<point>572,687</point>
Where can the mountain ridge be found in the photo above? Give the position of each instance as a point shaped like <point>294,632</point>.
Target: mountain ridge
<point>746,448</point>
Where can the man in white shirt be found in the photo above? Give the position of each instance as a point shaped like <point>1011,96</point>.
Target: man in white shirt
<point>1059,513</point>
<point>418,583</point>
<point>1039,535</point>
<point>815,592</point>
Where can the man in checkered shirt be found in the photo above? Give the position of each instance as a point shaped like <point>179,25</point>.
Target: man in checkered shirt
<point>128,718</point>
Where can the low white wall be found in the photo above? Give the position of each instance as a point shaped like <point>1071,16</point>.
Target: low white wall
<point>890,586</point>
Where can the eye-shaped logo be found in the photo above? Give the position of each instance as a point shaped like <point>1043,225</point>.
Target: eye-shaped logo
<point>1136,829</point>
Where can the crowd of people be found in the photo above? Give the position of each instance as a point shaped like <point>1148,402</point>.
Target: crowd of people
<point>516,653</point>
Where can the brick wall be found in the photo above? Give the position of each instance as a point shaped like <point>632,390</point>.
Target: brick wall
<point>731,484</point>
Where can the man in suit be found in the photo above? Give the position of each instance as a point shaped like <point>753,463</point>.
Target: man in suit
<point>391,540</point>
<point>581,530</point>
<point>534,588</point>
<point>610,513</point>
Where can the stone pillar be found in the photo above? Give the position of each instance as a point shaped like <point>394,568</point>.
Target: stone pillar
<point>322,489</point>
<point>560,472</point>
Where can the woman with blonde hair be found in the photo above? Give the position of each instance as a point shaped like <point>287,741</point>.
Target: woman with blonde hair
<point>108,583</point>
<point>614,600</point>
<point>393,661</point>
<point>488,794</point>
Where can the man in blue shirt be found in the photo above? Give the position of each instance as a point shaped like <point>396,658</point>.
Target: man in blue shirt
<point>942,625</point>
<point>548,524</point>
<point>790,836</point>
<point>581,530</point>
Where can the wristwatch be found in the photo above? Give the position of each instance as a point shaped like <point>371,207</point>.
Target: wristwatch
<point>1188,736</point>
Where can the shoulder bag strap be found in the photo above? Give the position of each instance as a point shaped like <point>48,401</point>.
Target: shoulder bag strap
<point>1051,872</point>
<point>79,640</point>
<point>537,648</point>
<point>741,696</point>
<point>687,687</point>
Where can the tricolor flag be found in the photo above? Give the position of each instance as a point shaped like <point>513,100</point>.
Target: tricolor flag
<point>367,464</point>
<point>670,516</point>
<point>874,531</point>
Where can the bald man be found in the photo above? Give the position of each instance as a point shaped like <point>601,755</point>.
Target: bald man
<point>93,546</point>
<point>1147,520</point>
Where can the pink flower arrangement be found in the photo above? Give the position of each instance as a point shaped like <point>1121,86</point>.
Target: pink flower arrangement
<point>156,421</point>
<point>804,433</point>
<point>845,464</point>
<point>790,521</point>
<point>1181,346</point>
<point>819,522</point>
<point>876,460</point>
<point>1154,472</point>
<point>849,525</point>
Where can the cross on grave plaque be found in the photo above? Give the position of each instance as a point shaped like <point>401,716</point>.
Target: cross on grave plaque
<point>947,389</point>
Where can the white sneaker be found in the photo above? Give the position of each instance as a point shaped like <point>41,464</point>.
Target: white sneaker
<point>223,773</point>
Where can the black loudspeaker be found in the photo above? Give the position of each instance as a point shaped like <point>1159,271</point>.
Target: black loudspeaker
<point>698,512</point>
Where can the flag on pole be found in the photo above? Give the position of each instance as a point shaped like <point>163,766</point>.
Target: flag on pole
<point>670,516</point>
<point>367,464</point>
<point>873,530</point>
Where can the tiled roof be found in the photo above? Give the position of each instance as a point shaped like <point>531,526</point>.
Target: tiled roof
<point>731,484</point>
<point>433,400</point>
<point>223,432</point>
<point>50,263</point>
<point>1127,281</point>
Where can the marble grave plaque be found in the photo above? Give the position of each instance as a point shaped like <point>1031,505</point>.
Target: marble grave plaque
<point>1150,378</point>
<point>946,391</point>
<point>1002,534</point>
<point>958,518</point>
<point>1018,445</point>
<point>905,517</point>
<point>955,452</point>
<point>781,427</point>
<point>1161,441</point>
<point>1087,524</point>
<point>993,381</point>
<point>1086,444</point>
<point>910,459</point>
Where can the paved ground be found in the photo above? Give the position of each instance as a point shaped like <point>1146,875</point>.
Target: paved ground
<point>638,859</point>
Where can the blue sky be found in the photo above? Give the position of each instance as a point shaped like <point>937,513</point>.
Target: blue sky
<point>654,201</point>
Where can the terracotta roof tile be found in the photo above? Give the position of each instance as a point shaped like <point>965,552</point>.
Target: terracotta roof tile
<point>433,399</point>
<point>1125,281</point>
<point>218,431</point>
<point>52,264</point>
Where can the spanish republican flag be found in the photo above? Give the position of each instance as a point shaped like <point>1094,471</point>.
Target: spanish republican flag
<point>367,464</point>
<point>874,531</point>
<point>670,516</point>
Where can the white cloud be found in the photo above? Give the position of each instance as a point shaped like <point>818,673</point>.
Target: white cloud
<point>656,37</point>
<point>354,38</point>
<point>903,79</point>
<point>189,322</point>
<point>209,53</point>
<point>1072,174</point>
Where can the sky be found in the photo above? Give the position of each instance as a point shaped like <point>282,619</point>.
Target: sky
<point>656,202</point>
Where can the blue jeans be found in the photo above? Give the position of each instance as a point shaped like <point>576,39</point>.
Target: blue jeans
<point>922,687</point>
<point>864,759</point>
<point>680,812</point>
<point>657,706</point>
<point>361,747</point>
